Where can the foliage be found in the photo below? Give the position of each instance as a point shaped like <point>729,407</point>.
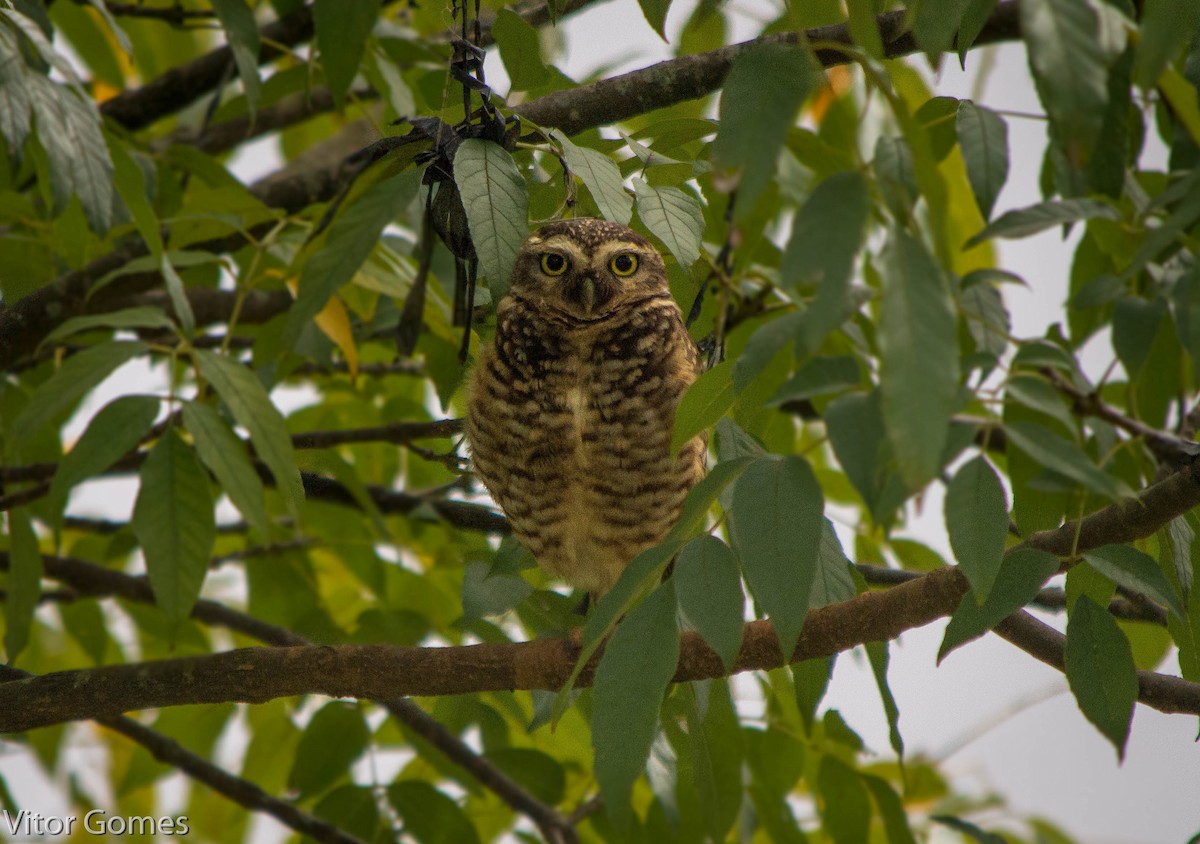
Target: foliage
<point>234,347</point>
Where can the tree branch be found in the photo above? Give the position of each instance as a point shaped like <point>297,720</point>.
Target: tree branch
<point>1041,641</point>
<point>90,579</point>
<point>690,77</point>
<point>256,675</point>
<point>24,323</point>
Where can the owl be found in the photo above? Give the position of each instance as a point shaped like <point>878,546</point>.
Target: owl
<point>572,407</point>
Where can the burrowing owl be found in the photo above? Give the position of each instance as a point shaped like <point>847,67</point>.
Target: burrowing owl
<point>572,407</point>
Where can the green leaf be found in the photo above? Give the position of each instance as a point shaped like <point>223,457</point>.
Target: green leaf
<point>66,121</point>
<point>762,94</point>
<point>709,589</point>
<point>856,431</point>
<point>1166,26</point>
<point>877,653</point>
<point>177,295</point>
<point>539,772</point>
<point>77,377</point>
<point>242,34</point>
<point>827,234</point>
<point>986,317</point>
<point>118,33</point>
<point>977,520</point>
<point>765,347</point>
<point>484,593</point>
<point>934,24</point>
<point>1135,323</point>
<point>1022,573</point>
<point>130,182</point>
<point>173,522</point>
<point>674,217</point>
<point>520,50</point>
<point>141,317</point>
<point>225,456</point>
<point>497,205</point>
<point>351,237</point>
<point>1134,570</point>
<point>1064,457</point>
<point>24,582</point>
<point>602,177</point>
<point>655,12</point>
<point>705,401</point>
<point>845,807</point>
<point>701,497</point>
<point>896,175</point>
<point>1024,222</point>
<point>1100,671</point>
<point>974,18</point>
<point>429,815</point>
<point>864,28</point>
<point>775,525</point>
<point>919,349</point>
<point>342,29</point>
<point>833,582</point>
<point>631,680</point>
<point>116,429</point>
<point>251,406</point>
<point>820,376</point>
<point>1070,70</point>
<point>983,136</point>
<point>333,739</point>
<point>891,810</point>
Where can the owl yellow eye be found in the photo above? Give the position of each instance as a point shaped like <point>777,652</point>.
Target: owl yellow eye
<point>554,264</point>
<point>624,265</point>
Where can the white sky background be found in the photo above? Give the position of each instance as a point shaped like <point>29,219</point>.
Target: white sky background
<point>1043,757</point>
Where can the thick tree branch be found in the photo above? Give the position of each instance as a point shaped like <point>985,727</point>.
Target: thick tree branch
<point>256,675</point>
<point>90,579</point>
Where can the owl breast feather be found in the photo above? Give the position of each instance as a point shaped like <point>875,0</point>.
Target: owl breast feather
<point>570,430</point>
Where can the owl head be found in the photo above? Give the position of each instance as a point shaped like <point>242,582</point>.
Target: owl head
<point>585,270</point>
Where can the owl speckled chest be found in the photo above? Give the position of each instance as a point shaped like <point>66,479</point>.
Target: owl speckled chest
<point>570,424</point>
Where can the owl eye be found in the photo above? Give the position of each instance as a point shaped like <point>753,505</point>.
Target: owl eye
<point>624,265</point>
<point>554,264</point>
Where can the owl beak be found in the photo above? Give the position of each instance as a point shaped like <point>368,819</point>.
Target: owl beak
<point>587,294</point>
